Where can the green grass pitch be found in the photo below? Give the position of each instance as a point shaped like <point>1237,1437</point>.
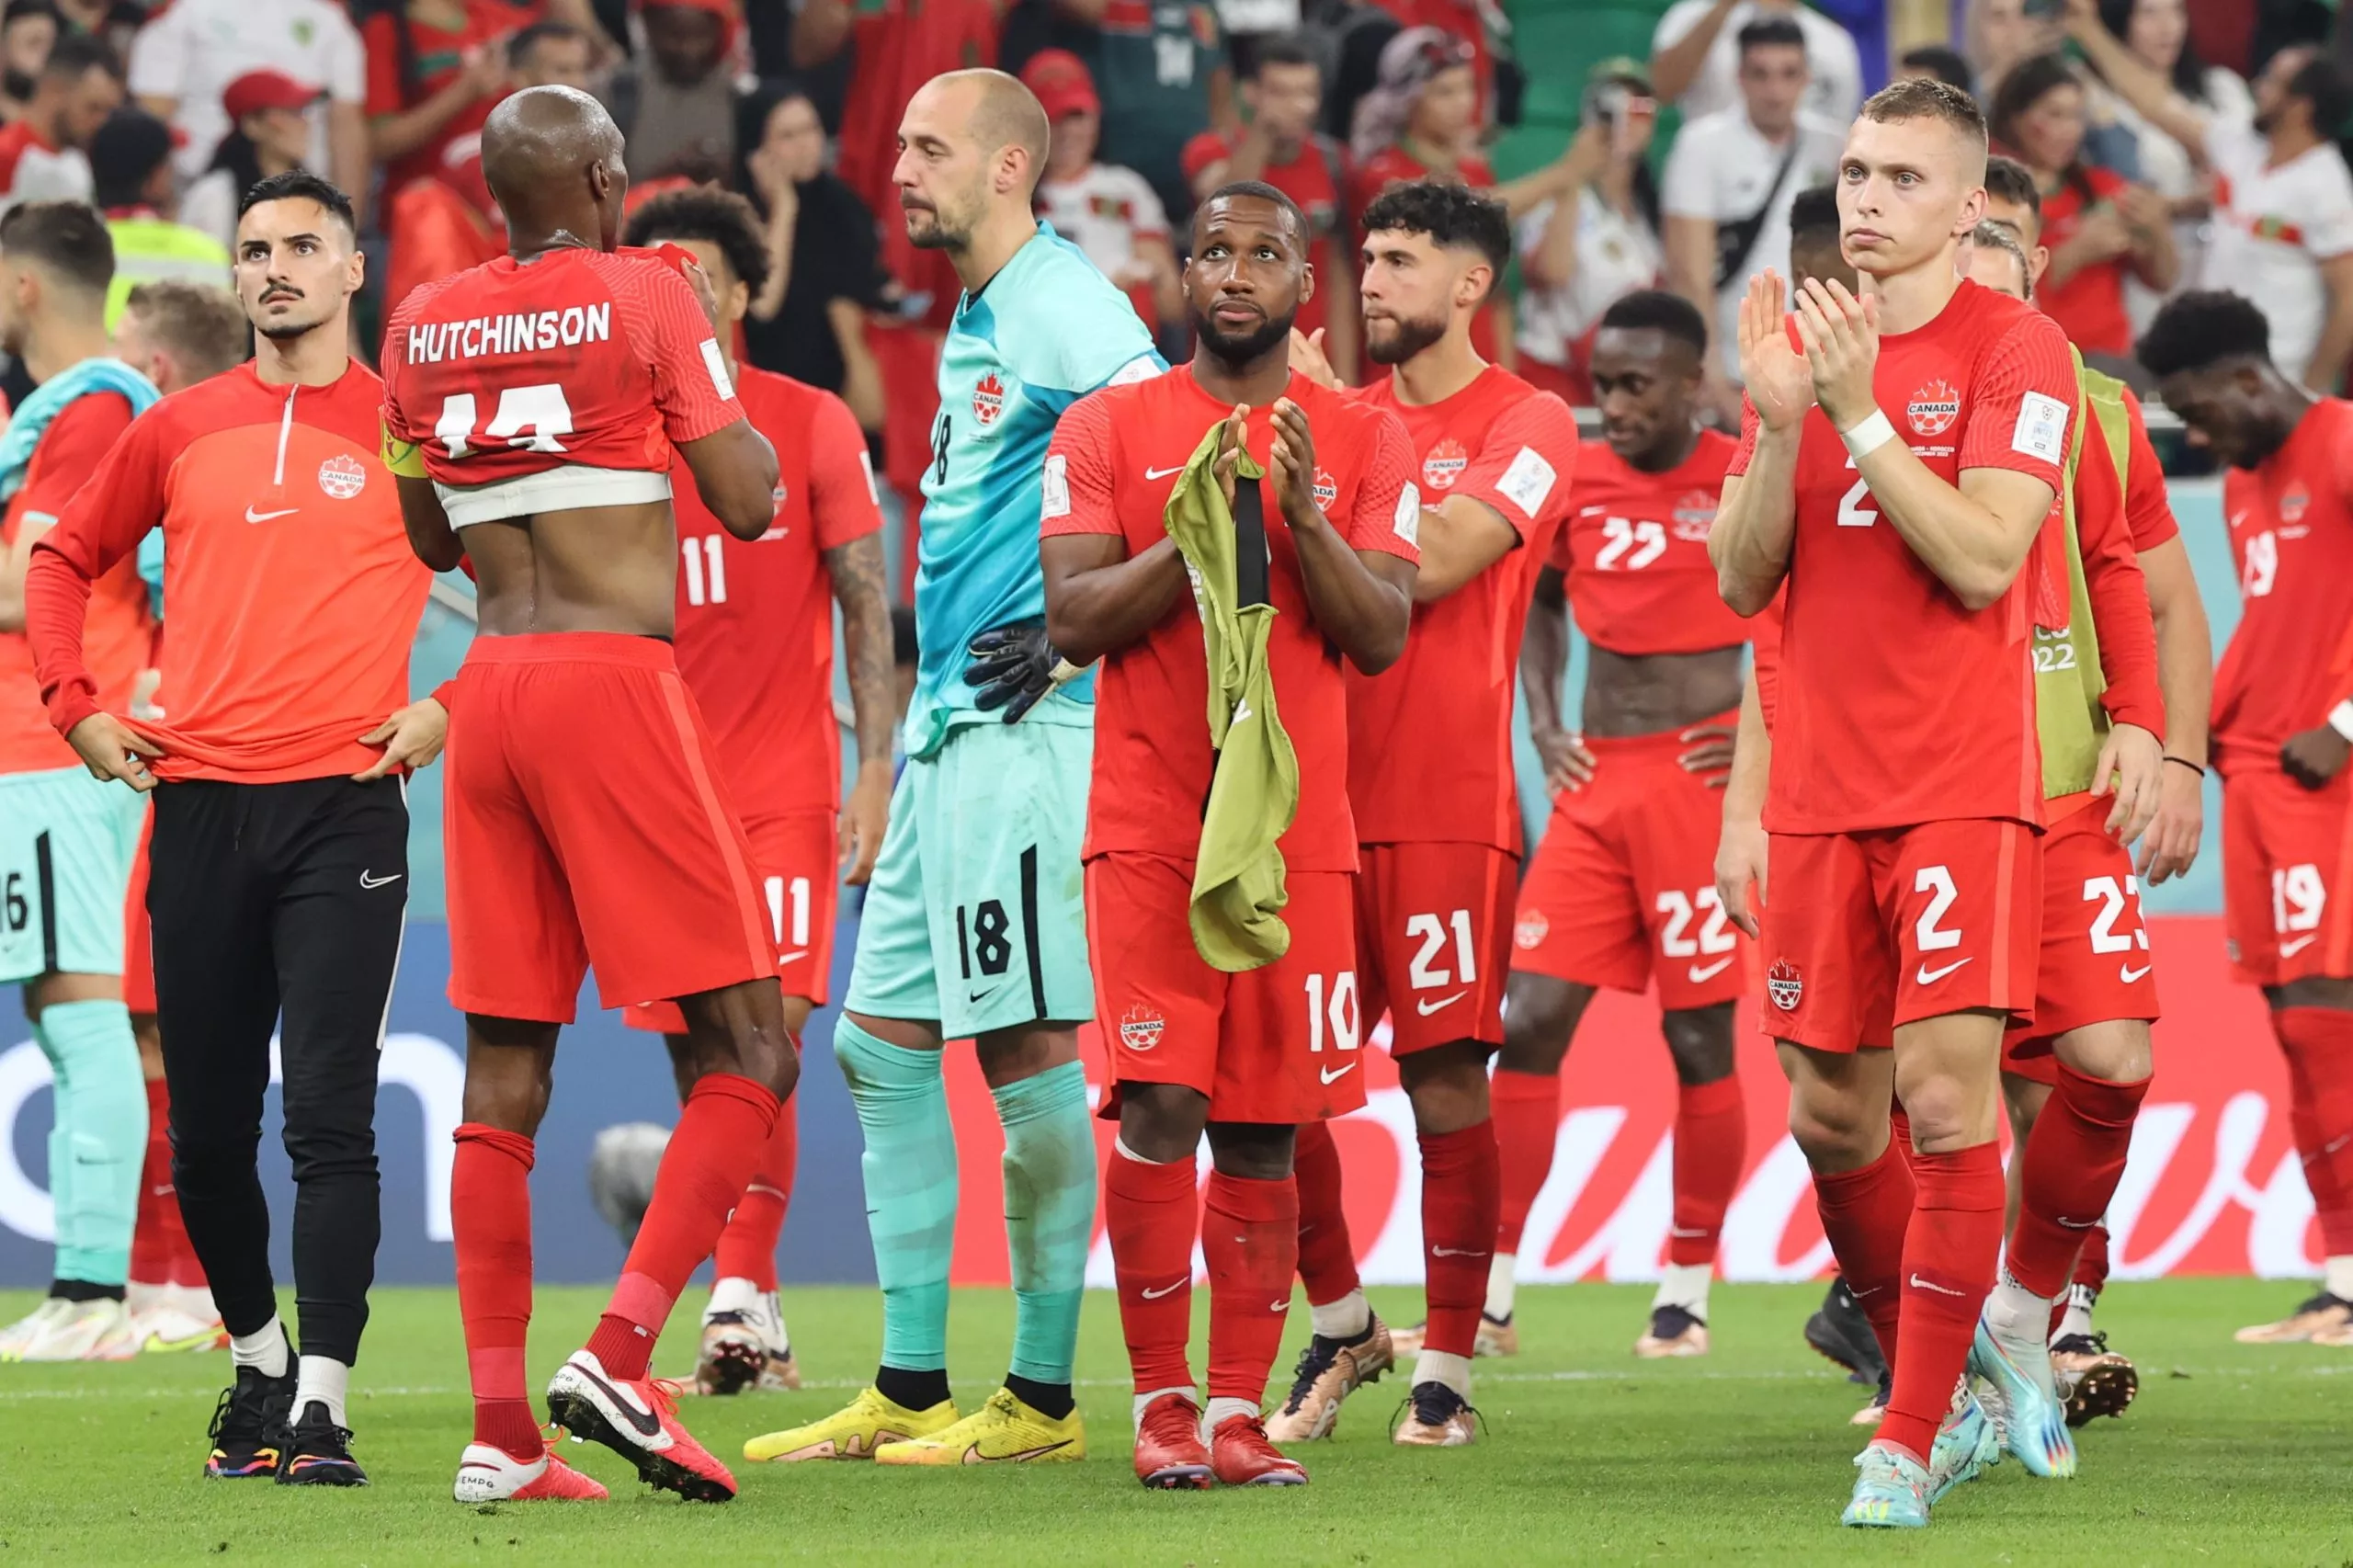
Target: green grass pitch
<point>2234,1455</point>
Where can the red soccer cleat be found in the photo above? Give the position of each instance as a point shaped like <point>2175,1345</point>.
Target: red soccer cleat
<point>1169,1454</point>
<point>1241,1454</point>
<point>490,1475</point>
<point>637,1419</point>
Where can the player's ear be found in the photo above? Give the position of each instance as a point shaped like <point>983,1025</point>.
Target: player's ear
<point>1306,281</point>
<point>355,276</point>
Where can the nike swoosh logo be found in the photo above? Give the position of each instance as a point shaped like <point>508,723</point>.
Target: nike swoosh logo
<point>1701,976</point>
<point>1163,473</point>
<point>1459,1252</point>
<point>795,956</point>
<point>370,879</point>
<point>974,998</point>
<point>1426,1008</point>
<point>2290,949</point>
<point>254,517</point>
<point>974,1455</point>
<point>1282,1306</point>
<point>1927,976</point>
<point>647,1424</point>
<point>2127,974</point>
<point>2075,1224</point>
<point>1859,1295</point>
<point>1331,1077</point>
<point>1919,1284</point>
<point>1165,1290</point>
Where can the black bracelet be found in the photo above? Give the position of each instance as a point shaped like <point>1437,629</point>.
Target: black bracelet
<point>2189,765</point>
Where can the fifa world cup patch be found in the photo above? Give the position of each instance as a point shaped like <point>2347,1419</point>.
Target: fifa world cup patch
<point>2042,429</point>
<point>1528,481</point>
<point>1532,930</point>
<point>1408,521</point>
<point>1055,502</point>
<point>1785,985</point>
<point>1140,1031</point>
<point>716,363</point>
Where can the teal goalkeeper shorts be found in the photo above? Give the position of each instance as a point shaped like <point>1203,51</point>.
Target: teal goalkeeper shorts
<point>977,915</point>
<point>66,842</point>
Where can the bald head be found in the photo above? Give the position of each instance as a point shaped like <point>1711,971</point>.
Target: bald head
<point>553,158</point>
<point>972,146</point>
<point>1002,113</point>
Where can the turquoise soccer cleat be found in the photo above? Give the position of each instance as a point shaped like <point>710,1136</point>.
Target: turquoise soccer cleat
<point>1968,1445</point>
<point>2027,1406</point>
<point>1891,1493</point>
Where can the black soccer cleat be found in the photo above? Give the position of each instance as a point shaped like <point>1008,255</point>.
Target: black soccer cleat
<point>1841,1332</point>
<point>249,1429</point>
<point>319,1453</point>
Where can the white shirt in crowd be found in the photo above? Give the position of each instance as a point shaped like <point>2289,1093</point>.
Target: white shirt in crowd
<point>1104,211</point>
<point>2168,169</point>
<point>197,47</point>
<point>1837,93</point>
<point>1722,168</point>
<point>1616,255</point>
<point>2272,229</point>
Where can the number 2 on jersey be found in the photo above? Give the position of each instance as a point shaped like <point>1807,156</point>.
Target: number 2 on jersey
<point>541,410</point>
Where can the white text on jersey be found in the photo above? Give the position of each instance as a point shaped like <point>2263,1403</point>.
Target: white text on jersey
<point>522,333</point>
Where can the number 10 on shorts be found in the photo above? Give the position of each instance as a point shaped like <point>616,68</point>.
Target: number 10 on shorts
<point>1333,1007</point>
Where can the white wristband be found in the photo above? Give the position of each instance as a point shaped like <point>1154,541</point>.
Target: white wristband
<point>2340,717</point>
<point>1868,436</point>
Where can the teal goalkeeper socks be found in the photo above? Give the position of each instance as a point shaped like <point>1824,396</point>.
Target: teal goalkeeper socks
<point>102,1117</point>
<point>1048,1215</point>
<point>910,1169</point>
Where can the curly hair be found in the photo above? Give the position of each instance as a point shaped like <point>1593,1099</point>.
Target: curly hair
<point>712,216</point>
<point>1449,214</point>
<point>2200,329</point>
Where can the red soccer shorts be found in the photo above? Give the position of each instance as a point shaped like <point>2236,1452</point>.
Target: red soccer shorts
<point>796,859</point>
<point>1433,947</point>
<point>1280,1044</point>
<point>1874,930</point>
<point>584,823</point>
<point>1623,887</point>
<point>2095,966</point>
<point>138,932</point>
<point>2288,878</point>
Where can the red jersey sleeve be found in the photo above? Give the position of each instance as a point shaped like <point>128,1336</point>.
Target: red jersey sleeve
<point>1387,514</point>
<point>71,450</point>
<point>1751,426</point>
<point>2025,393</point>
<point>1200,152</point>
<point>1528,464</point>
<point>1077,480</point>
<point>669,331</point>
<point>2119,594</point>
<point>103,523</point>
<point>2148,514</point>
<point>841,476</point>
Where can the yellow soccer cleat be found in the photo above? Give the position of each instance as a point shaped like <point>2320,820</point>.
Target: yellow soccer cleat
<point>853,1433</point>
<point>1003,1431</point>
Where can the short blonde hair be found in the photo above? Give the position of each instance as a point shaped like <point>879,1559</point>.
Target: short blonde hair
<point>203,326</point>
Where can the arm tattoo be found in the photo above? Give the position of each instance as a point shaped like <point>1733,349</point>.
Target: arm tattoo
<point>858,571</point>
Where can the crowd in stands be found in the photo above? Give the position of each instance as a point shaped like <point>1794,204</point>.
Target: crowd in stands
<point>2169,150</point>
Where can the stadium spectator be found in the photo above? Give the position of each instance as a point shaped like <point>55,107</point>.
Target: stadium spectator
<point>2283,226</point>
<point>269,133</point>
<point>2099,228</point>
<point>1465,21</point>
<point>41,154</point>
<point>130,161</point>
<point>1582,252</point>
<point>1695,58</point>
<point>435,69</point>
<point>1277,142</point>
<point>28,29</point>
<point>441,223</point>
<point>551,54</point>
<point>185,60</point>
<point>675,100</point>
<point>808,319</point>
<point>1730,181</point>
<point>2157,33</point>
<point>1162,72</point>
<point>1999,35</point>
<point>1106,210</point>
<point>1936,62</point>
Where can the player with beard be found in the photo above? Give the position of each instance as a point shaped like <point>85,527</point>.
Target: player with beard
<point>1246,1047</point>
<point>1905,804</point>
<point>1437,807</point>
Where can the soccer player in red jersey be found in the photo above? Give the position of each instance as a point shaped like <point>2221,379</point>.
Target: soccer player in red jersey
<point>2283,732</point>
<point>1437,807</point>
<point>1244,1055</point>
<point>536,402</point>
<point>1905,857</point>
<point>756,645</point>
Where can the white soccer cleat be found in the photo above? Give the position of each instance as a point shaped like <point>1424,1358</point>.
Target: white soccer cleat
<point>26,1329</point>
<point>86,1331</point>
<point>746,1347</point>
<point>487,1473</point>
<point>175,1318</point>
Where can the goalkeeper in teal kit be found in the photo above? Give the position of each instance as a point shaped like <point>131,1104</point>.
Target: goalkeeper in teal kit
<point>975,925</point>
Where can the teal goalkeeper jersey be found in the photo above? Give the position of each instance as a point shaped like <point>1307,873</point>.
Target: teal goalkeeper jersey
<point>1043,332</point>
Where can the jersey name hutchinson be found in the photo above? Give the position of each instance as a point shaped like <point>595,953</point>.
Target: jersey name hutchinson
<point>519,332</point>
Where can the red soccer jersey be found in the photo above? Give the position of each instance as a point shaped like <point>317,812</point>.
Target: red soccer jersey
<point>558,383</point>
<point>1311,179</point>
<point>1429,738</point>
<point>755,624</point>
<point>2090,306</point>
<point>1635,554</point>
<point>1898,705</point>
<point>1115,458</point>
<point>119,630</point>
<point>2148,510</point>
<point>2291,661</point>
<point>400,78</point>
